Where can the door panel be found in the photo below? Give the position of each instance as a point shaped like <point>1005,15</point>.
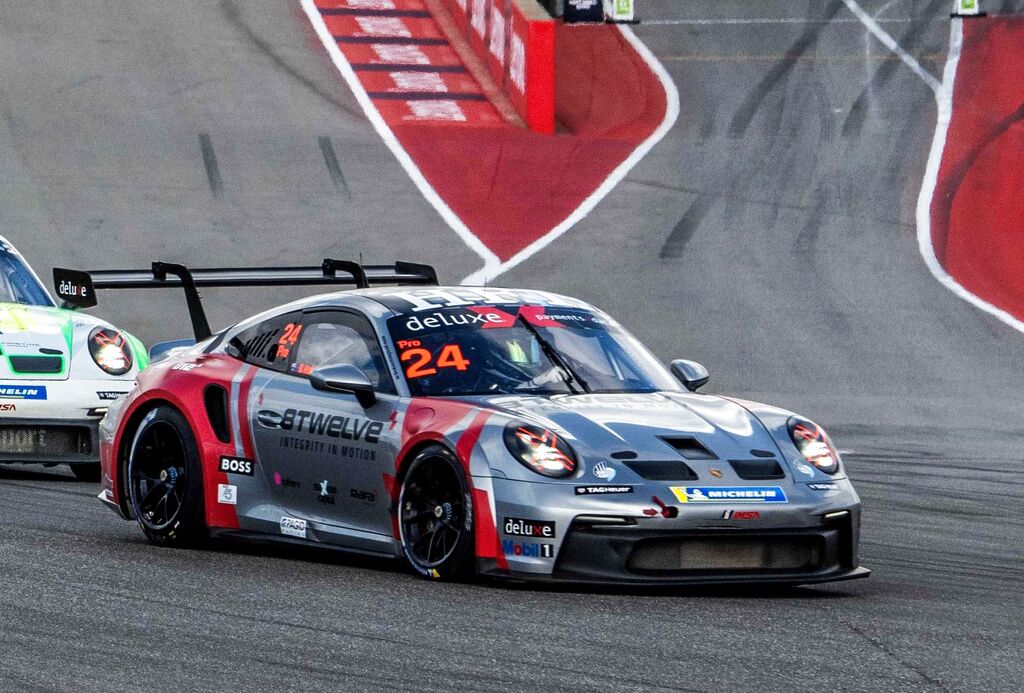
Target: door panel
<point>324,455</point>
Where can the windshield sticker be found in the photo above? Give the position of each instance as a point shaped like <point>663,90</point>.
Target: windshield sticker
<point>418,300</point>
<point>422,363</point>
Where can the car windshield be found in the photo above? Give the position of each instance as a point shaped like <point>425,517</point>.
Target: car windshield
<point>17,283</point>
<point>482,350</point>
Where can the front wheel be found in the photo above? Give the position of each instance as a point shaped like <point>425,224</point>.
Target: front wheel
<point>435,516</point>
<point>165,483</point>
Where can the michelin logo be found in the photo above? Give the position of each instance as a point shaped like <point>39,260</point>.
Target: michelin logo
<point>730,494</point>
<point>22,392</point>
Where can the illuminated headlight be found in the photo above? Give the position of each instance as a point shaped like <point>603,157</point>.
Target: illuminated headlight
<point>110,351</point>
<point>814,444</point>
<point>540,450</point>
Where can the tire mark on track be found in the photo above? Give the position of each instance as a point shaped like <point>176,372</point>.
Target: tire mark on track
<point>855,118</point>
<point>687,225</point>
<point>333,167</point>
<point>780,71</point>
<point>210,163</point>
<point>230,10</point>
<point>884,649</point>
<point>949,186</point>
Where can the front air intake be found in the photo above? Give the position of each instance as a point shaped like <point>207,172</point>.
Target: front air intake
<point>43,365</point>
<point>690,448</point>
<point>216,399</point>
<point>672,470</point>
<point>754,470</point>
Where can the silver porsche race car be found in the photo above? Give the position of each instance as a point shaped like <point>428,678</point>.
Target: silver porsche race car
<point>502,432</point>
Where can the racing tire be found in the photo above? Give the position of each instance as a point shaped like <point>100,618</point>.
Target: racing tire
<point>435,516</point>
<point>91,471</point>
<point>165,481</point>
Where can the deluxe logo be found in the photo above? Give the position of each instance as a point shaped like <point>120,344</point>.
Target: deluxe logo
<point>67,289</point>
<point>236,465</point>
<point>418,324</point>
<point>22,392</point>
<point>540,529</point>
<point>527,549</point>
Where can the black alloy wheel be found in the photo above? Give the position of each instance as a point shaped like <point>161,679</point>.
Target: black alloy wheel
<point>435,516</point>
<point>165,480</point>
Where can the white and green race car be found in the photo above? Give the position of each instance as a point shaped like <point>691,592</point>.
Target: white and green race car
<point>59,371</point>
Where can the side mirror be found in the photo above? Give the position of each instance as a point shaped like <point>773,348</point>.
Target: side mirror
<point>344,378</point>
<point>691,374</point>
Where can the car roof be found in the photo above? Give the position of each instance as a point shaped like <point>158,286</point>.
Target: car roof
<point>413,299</point>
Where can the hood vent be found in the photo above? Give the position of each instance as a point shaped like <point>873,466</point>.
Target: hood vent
<point>673,470</point>
<point>754,470</point>
<point>37,364</point>
<point>690,448</point>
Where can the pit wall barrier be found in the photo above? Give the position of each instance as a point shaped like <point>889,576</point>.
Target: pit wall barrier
<point>515,39</point>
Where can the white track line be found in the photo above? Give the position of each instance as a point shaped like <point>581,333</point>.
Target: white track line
<point>489,273</point>
<point>889,42</point>
<point>765,20</point>
<point>944,103</point>
<point>446,212</point>
<point>944,106</point>
<point>493,267</point>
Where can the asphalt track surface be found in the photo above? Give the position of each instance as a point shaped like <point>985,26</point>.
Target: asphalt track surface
<point>771,236</point>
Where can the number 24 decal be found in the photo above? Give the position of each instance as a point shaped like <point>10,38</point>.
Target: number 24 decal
<point>449,357</point>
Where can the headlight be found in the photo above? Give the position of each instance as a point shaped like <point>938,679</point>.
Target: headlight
<point>540,450</point>
<point>814,444</point>
<point>110,351</point>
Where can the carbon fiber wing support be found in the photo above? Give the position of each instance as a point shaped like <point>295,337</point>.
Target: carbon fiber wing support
<point>77,288</point>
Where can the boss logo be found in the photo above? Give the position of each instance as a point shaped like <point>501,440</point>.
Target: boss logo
<point>236,465</point>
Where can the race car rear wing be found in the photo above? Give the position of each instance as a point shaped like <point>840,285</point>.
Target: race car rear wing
<point>78,288</point>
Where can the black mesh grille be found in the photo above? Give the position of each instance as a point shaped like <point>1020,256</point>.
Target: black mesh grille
<point>757,469</point>
<point>37,364</point>
<point>674,470</point>
<point>728,554</point>
<point>45,440</point>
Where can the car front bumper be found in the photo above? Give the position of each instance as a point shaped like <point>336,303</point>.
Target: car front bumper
<point>60,424</point>
<point>630,555</point>
<point>49,441</point>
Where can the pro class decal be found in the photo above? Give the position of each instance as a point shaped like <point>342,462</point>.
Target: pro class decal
<point>22,392</point>
<point>730,494</point>
<point>236,465</point>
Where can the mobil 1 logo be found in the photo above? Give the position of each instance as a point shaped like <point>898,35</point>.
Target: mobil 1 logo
<point>236,465</point>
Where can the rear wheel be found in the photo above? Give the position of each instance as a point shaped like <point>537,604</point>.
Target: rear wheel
<point>435,516</point>
<point>86,472</point>
<point>165,482</point>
